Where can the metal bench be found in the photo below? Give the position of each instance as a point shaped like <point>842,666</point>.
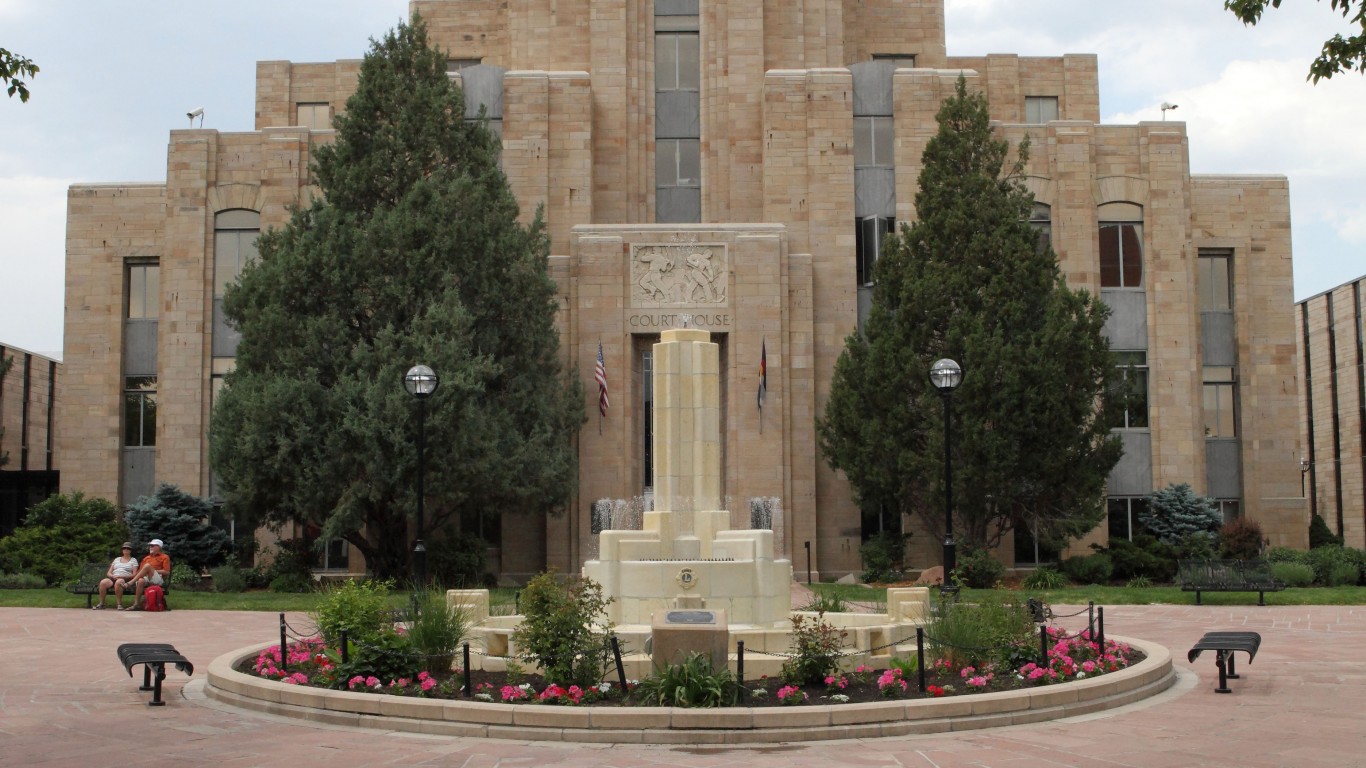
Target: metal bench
<point>1227,576</point>
<point>153,657</point>
<point>1224,645</point>
<point>88,584</point>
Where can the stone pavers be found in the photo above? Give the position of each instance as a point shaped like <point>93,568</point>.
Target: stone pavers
<point>65,700</point>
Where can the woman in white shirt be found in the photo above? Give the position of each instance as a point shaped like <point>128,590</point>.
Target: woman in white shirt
<point>120,576</point>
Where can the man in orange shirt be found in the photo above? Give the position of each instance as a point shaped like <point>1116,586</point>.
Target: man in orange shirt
<point>155,569</point>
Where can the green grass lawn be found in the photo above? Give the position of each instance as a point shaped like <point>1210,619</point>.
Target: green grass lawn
<point>1104,595</point>
<point>57,597</point>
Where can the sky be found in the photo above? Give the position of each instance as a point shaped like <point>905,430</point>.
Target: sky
<point>116,77</point>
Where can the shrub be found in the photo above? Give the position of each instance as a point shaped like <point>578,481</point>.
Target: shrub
<point>989,631</point>
<point>60,534</point>
<point>816,648</point>
<point>564,629</point>
<point>228,578</point>
<point>21,581</point>
<point>180,520</point>
<point>291,583</point>
<point>977,569</point>
<point>1343,575</point>
<point>1320,535</point>
<point>1046,578</point>
<point>293,557</point>
<point>185,577</point>
<point>1139,582</point>
<point>1240,539</point>
<point>884,557</point>
<point>386,655</point>
<point>1176,511</point>
<point>359,607</point>
<point>1197,546</point>
<point>1088,569</point>
<point>1329,558</point>
<point>1286,555</point>
<point>694,683</point>
<point>458,561</point>
<point>1292,574</point>
<point>438,629</point>
<point>1144,556</point>
<point>822,602</point>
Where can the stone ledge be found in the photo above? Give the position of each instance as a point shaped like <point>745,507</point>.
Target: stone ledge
<point>667,725</point>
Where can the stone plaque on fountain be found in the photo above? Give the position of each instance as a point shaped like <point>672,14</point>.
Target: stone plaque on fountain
<point>676,635</point>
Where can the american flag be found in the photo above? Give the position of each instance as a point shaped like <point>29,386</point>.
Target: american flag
<point>763,373</point>
<point>600,373</point>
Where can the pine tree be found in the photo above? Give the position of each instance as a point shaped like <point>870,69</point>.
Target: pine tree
<point>968,280</point>
<point>1177,511</point>
<point>412,254</point>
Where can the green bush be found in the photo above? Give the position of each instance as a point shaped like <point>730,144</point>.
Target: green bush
<point>1198,546</point>
<point>1000,629</point>
<point>60,534</point>
<point>1177,511</point>
<point>694,683</point>
<point>1343,575</point>
<point>1292,574</point>
<point>1286,555</point>
<point>1088,569</point>
<point>1144,556</point>
<point>1139,582</point>
<point>181,521</point>
<point>458,562</point>
<point>438,629</point>
<point>564,629</point>
<point>291,583</point>
<point>228,578</point>
<point>884,557</point>
<point>359,607</point>
<point>1240,539</point>
<point>1331,558</point>
<point>821,602</point>
<point>1320,535</point>
<point>1046,578</point>
<point>21,581</point>
<point>184,577</point>
<point>977,569</point>
<point>293,557</point>
<point>816,646</point>
<point>386,655</point>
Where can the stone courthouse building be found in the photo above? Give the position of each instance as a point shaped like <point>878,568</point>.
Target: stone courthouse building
<point>735,163</point>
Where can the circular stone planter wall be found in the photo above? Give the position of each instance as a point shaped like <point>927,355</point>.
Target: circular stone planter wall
<point>671,725</point>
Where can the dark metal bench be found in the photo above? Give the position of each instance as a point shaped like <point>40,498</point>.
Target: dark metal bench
<point>1227,576</point>
<point>1224,645</point>
<point>88,584</point>
<point>153,657</point>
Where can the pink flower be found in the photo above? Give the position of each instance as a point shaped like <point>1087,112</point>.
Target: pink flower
<point>1088,667</point>
<point>372,682</point>
<point>977,682</point>
<point>355,681</point>
<point>428,684</point>
<point>423,675</point>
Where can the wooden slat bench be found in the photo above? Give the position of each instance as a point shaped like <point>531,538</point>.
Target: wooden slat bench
<point>153,657</point>
<point>1224,645</point>
<point>1227,576</point>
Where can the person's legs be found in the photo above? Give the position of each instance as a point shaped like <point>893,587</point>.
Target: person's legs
<point>141,583</point>
<point>104,590</point>
<point>119,586</point>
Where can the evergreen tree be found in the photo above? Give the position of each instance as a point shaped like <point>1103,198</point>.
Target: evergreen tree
<point>1176,512</point>
<point>181,521</point>
<point>969,280</point>
<point>412,254</point>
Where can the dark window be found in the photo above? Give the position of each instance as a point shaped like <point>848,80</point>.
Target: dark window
<point>1121,254</point>
<point>871,237</point>
<point>1133,388</point>
<point>1219,406</point>
<point>1123,514</point>
<point>140,411</point>
<point>1041,219</point>
<point>1030,549</point>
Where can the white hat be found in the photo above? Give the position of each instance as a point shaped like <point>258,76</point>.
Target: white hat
<point>155,543</point>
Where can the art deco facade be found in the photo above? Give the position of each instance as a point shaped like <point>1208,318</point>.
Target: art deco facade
<point>735,163</point>
<point>1333,399</point>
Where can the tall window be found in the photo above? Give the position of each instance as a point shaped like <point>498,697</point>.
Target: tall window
<point>315,116</point>
<point>873,142</point>
<point>1215,280</point>
<point>872,231</point>
<point>678,130</point>
<point>647,411</point>
<point>678,178</point>
<point>676,61</point>
<point>1041,219</point>
<point>1123,513</point>
<point>139,411</point>
<point>1219,401</point>
<point>1041,109</point>
<point>234,246</point>
<point>1121,246</point>
<point>1133,388</point>
<point>144,286</point>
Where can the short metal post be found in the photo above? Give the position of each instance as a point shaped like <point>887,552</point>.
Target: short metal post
<point>1091,620</point>
<point>284,649</point>
<point>1043,646</point>
<point>1100,626</point>
<point>920,655</point>
<point>740,668</point>
<point>621,670</point>
<point>469,690</point>
<point>345,648</point>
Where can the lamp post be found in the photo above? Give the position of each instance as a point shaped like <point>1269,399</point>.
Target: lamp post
<point>420,381</point>
<point>945,375</point>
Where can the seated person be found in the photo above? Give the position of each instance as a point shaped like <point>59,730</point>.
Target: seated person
<point>155,569</point>
<point>119,576</point>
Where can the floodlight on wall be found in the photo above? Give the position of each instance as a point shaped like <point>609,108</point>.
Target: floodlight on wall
<point>1167,105</point>
<point>196,112</point>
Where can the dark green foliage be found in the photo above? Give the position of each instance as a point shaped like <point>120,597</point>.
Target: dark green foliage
<point>1176,512</point>
<point>13,69</point>
<point>1240,539</point>
<point>694,683</point>
<point>1334,566</point>
<point>412,254</point>
<point>457,561</point>
<point>977,568</point>
<point>1144,556</point>
<point>1292,574</point>
<point>1197,546</point>
<point>438,629</point>
<point>1044,578</point>
<point>989,630</point>
<point>291,583</point>
<point>816,646</point>
<point>968,281</point>
<point>1339,54</point>
<point>564,629</point>
<point>186,577</point>
<point>884,557</point>
<point>60,534</point>
<point>180,520</point>
<point>1285,555</point>
<point>1089,569</point>
<point>359,607</point>
<point>386,655</point>
<point>293,557</point>
<point>1320,535</point>
<point>228,578</point>
<point>21,581</point>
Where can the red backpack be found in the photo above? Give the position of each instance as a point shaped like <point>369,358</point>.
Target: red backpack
<point>155,599</point>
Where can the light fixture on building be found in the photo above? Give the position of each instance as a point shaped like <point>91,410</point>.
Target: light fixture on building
<point>1167,105</point>
<point>196,112</point>
<point>945,374</point>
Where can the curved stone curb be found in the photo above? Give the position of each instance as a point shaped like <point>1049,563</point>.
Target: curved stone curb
<point>671,725</point>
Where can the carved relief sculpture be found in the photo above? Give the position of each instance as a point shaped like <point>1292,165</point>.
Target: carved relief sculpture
<point>681,273</point>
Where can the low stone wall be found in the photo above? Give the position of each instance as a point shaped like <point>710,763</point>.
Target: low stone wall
<point>670,725</point>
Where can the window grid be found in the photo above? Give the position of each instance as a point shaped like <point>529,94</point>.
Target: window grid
<point>1124,513</point>
<point>139,411</point>
<point>1121,254</point>
<point>1133,388</point>
<point>1220,406</point>
<point>144,288</point>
